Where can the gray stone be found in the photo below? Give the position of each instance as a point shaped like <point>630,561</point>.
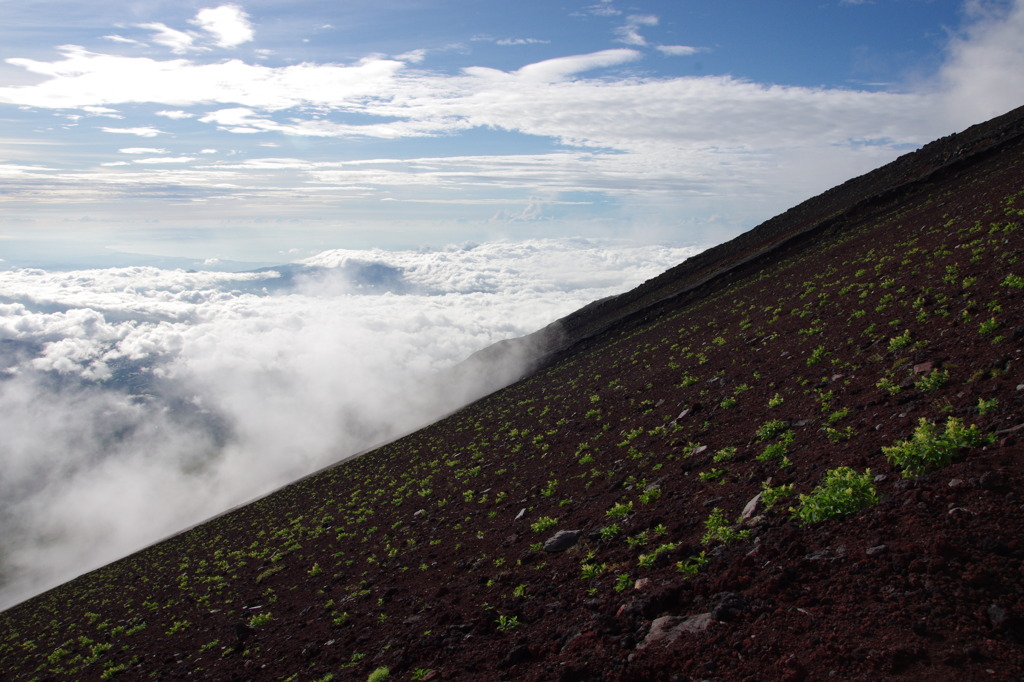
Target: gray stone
<point>562,540</point>
<point>752,507</point>
<point>668,629</point>
<point>876,550</point>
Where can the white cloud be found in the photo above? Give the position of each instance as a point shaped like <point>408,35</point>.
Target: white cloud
<point>141,131</point>
<point>630,32</point>
<point>521,41</point>
<point>179,42</point>
<point>218,392</point>
<point>102,111</point>
<point>603,9</point>
<point>122,39</point>
<point>174,114</point>
<point>166,159</point>
<point>560,68</point>
<point>678,50</point>
<point>229,25</point>
<point>142,150</point>
<point>983,75</point>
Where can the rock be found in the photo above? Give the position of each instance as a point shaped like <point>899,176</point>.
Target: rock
<point>521,514</point>
<point>877,550</point>
<point>752,507</point>
<point>956,482</point>
<point>562,540</point>
<point>923,367</point>
<point>996,615</point>
<point>729,606</point>
<point>668,629</point>
<point>992,480</point>
<point>520,654</point>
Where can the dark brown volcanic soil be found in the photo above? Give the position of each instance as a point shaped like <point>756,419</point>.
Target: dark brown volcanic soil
<point>423,556</point>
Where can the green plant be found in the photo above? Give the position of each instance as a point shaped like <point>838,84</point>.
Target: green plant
<point>888,385</point>
<point>420,673</point>
<point>379,674</point>
<point>717,528</point>
<point>650,495</point>
<point>932,447</point>
<point>775,400</point>
<point>728,403</point>
<point>711,474</point>
<point>770,429</point>
<point>816,356</point>
<point>623,582</point>
<point>647,560</point>
<point>772,494</point>
<point>691,566</point>
<point>900,342</point>
<point>610,531</point>
<point>507,623</point>
<point>620,510</point>
<point>543,523</point>
<point>986,406</point>
<point>842,492</point>
<point>988,326</point>
<point>260,619</point>
<point>724,454</point>
<point>1014,281</point>
<point>932,381</point>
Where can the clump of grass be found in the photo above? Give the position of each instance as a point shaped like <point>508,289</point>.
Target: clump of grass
<point>842,493</point>
<point>933,447</point>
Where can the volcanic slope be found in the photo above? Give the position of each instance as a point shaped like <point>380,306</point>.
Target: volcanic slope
<point>864,377</point>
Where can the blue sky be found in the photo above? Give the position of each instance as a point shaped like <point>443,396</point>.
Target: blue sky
<point>269,131</point>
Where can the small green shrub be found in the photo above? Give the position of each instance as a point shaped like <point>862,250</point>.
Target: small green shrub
<point>543,523</point>
<point>816,356</point>
<point>621,510</point>
<point>986,406</point>
<point>1014,281</point>
<point>691,566</point>
<point>932,381</point>
<point>260,619</point>
<point>932,447</point>
<point>772,494</point>
<point>379,674</point>
<point>507,623</point>
<point>717,528</point>
<point>770,429</point>
<point>609,532</point>
<point>843,492</point>
<point>900,342</point>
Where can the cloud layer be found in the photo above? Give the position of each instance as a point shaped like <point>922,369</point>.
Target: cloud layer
<point>137,401</point>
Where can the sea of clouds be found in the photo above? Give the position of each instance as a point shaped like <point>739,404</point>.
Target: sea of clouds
<point>137,401</point>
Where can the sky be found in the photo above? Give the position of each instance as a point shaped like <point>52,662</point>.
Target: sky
<point>267,131</point>
<point>240,242</point>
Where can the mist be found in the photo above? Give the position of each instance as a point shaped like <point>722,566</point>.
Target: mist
<point>137,401</point>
